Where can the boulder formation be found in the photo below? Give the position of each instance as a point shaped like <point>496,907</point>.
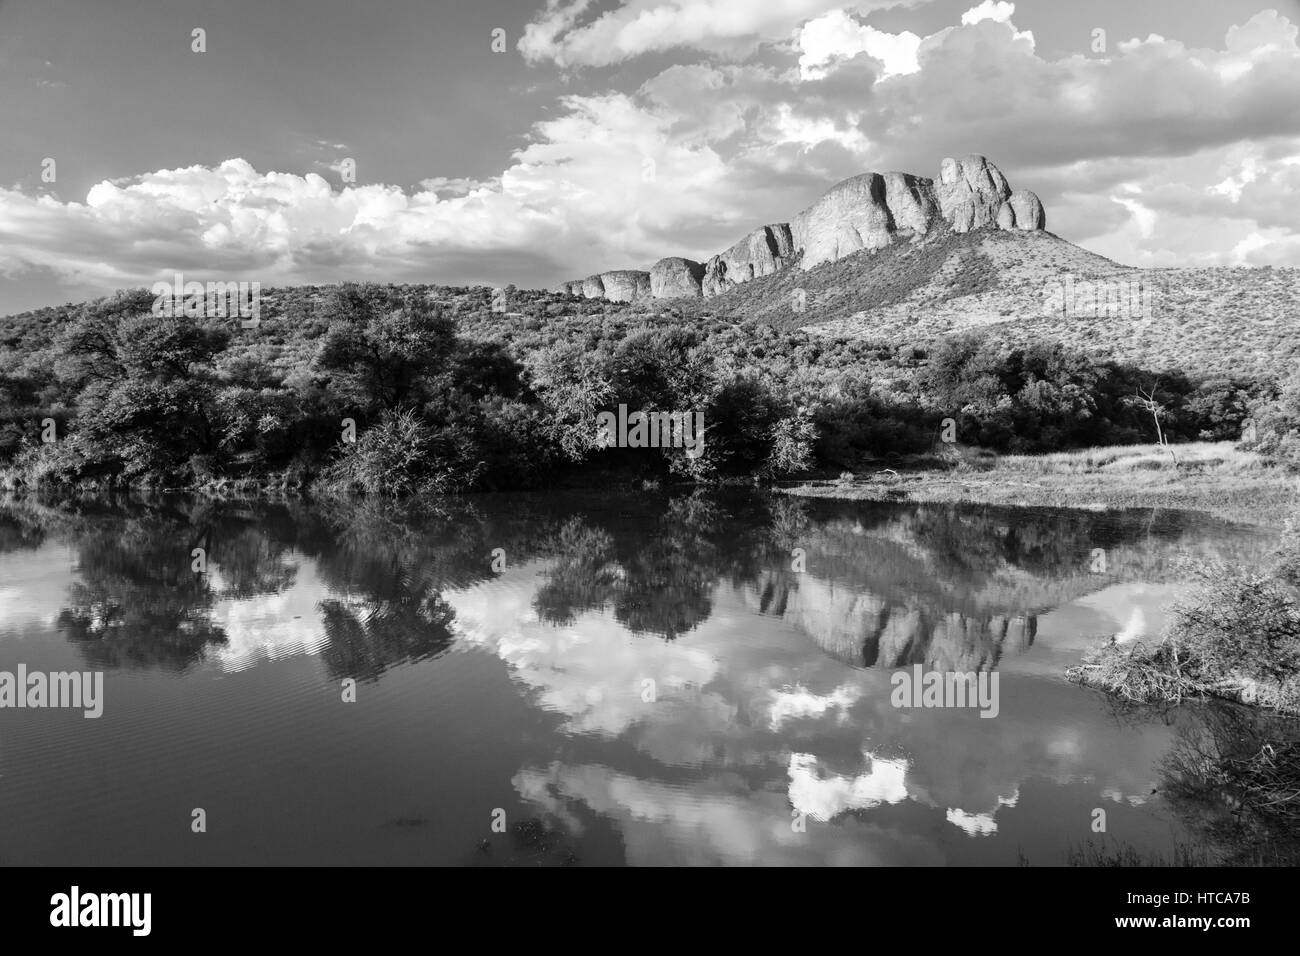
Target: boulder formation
<point>971,191</point>
<point>865,212</point>
<point>764,251</point>
<point>626,285</point>
<point>676,278</point>
<point>1024,211</point>
<point>620,285</point>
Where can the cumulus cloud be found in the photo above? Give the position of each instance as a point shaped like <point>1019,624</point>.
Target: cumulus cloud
<point>997,10</point>
<point>1202,168</point>
<point>837,36</point>
<point>602,183</point>
<point>733,28</point>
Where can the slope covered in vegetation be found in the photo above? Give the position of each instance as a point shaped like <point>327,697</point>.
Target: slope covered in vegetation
<point>409,389</point>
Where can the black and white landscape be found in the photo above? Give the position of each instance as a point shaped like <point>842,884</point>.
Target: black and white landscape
<point>649,432</point>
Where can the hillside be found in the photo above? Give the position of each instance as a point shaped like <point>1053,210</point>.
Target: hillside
<point>1238,322</point>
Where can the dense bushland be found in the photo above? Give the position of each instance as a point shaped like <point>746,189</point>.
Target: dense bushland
<point>428,390</point>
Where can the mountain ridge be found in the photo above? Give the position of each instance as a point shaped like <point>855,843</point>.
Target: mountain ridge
<point>869,211</point>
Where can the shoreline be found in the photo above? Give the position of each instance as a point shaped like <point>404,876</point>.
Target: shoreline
<point>1263,500</point>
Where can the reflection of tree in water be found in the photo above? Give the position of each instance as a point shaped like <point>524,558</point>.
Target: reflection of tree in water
<point>137,601</point>
<point>968,543</point>
<point>251,562</point>
<point>138,604</point>
<point>389,564</point>
<point>19,532</point>
<point>1233,775</point>
<point>657,575</point>
<point>885,584</point>
<point>363,640</point>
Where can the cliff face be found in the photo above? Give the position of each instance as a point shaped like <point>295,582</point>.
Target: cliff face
<point>764,251</point>
<point>675,278</point>
<point>864,212</point>
<point>621,285</point>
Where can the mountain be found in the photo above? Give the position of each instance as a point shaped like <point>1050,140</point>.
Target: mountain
<point>899,260</point>
<point>870,212</point>
<point>1027,286</point>
<point>902,259</point>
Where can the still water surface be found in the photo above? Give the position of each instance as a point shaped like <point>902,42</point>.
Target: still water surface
<point>646,680</point>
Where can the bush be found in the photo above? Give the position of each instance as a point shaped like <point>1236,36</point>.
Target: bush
<point>1240,624</point>
<point>1237,635</point>
<point>1276,425</point>
<point>398,457</point>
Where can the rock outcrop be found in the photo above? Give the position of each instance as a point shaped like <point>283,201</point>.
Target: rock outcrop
<point>764,251</point>
<point>676,278</point>
<point>971,191</point>
<point>865,212</point>
<point>626,285</point>
<point>620,285</point>
<point>851,216</point>
<point>1025,211</point>
<point>912,203</point>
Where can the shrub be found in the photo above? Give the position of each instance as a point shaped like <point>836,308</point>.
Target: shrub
<point>400,456</point>
<point>1240,624</point>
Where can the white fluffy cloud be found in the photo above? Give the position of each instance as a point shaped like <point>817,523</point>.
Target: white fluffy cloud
<point>724,27</point>
<point>1202,168</point>
<point>837,36</point>
<point>601,183</point>
<point>997,10</point>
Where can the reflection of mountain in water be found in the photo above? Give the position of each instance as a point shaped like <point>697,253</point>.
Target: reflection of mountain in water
<point>864,630</point>
<point>889,585</point>
<point>695,595</point>
<point>958,588</point>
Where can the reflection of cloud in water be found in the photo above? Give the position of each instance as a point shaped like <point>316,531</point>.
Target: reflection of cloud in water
<point>1134,628</point>
<point>593,671</point>
<point>1133,799</point>
<point>714,821</point>
<point>33,585</point>
<point>768,723</point>
<point>268,627</point>
<point>980,824</point>
<point>975,824</point>
<point>826,797</point>
<point>1134,610</point>
<point>800,703</point>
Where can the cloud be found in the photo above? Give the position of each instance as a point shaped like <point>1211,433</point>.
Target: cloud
<point>729,28</point>
<point>600,184</point>
<point>824,797</point>
<point>1202,168</point>
<point>800,703</point>
<point>837,36</point>
<point>996,10</point>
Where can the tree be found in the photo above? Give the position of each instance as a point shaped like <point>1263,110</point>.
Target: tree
<point>381,354</point>
<point>1146,399</point>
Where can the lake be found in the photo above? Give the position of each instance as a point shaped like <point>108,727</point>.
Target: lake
<point>585,679</point>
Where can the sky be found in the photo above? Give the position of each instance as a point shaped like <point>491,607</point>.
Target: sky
<point>528,142</point>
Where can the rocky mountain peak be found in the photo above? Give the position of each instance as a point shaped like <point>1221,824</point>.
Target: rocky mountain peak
<point>864,212</point>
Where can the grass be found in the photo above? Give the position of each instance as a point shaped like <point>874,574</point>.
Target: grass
<point>1107,853</point>
<point>1213,477</point>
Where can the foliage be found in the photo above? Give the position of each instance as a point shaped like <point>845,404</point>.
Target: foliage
<point>448,393</point>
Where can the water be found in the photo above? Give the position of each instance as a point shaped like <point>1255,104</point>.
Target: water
<point>645,680</point>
